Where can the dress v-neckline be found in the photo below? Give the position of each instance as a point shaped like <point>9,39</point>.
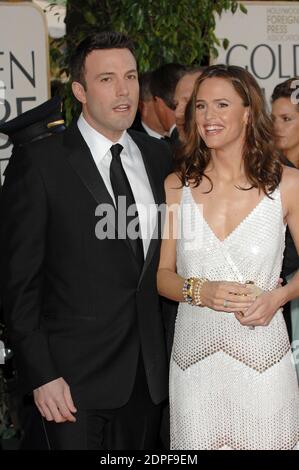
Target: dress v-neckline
<point>238,226</point>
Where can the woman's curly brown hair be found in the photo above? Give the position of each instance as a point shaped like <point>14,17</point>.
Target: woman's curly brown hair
<point>261,159</point>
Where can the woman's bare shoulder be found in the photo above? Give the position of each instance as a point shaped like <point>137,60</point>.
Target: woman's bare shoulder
<point>173,188</point>
<point>290,178</point>
<point>289,187</point>
<point>173,181</point>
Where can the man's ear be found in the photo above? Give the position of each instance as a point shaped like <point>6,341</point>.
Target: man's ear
<point>79,92</point>
<point>157,106</point>
<point>160,102</point>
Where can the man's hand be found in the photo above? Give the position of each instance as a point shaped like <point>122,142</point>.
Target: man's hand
<point>54,401</point>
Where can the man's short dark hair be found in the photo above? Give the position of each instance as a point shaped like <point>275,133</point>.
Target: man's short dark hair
<point>97,41</point>
<point>190,69</point>
<point>145,86</point>
<point>164,80</point>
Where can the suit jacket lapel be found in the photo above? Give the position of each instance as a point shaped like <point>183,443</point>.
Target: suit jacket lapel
<point>157,193</point>
<point>82,162</point>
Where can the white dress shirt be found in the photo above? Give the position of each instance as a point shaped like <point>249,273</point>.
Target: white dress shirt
<point>133,165</point>
<point>171,129</point>
<point>151,132</point>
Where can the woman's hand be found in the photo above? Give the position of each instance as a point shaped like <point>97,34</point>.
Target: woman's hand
<point>263,309</point>
<point>226,296</point>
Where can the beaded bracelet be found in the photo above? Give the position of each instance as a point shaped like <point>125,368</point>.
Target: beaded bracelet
<point>196,292</point>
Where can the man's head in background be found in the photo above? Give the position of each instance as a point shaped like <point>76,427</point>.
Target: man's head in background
<point>163,82</point>
<point>146,105</point>
<point>39,122</point>
<point>182,95</point>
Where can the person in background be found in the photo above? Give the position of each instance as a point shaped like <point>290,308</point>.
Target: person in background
<point>232,380</point>
<point>182,94</point>
<point>285,114</point>
<point>42,121</point>
<point>35,124</point>
<point>146,118</point>
<point>163,82</point>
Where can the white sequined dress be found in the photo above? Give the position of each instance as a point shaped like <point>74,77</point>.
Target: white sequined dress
<point>232,387</point>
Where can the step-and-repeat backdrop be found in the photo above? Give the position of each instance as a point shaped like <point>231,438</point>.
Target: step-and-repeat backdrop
<point>24,64</point>
<point>265,41</point>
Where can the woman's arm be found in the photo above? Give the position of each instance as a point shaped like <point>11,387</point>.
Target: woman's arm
<point>170,284</point>
<point>290,188</point>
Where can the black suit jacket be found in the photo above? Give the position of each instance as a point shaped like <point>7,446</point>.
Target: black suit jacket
<point>76,306</point>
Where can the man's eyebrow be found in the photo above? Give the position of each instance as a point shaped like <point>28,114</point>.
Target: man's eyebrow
<point>113,73</point>
<point>104,73</point>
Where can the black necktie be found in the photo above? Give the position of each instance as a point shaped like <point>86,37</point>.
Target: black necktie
<point>121,187</point>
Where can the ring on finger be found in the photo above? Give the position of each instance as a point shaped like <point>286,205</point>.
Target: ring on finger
<point>225,303</point>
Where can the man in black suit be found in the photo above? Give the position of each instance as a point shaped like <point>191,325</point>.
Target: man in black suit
<point>146,119</point>
<point>79,296</point>
<point>163,83</point>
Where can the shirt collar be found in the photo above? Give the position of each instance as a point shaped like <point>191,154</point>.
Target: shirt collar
<point>171,129</point>
<point>151,132</point>
<point>98,144</point>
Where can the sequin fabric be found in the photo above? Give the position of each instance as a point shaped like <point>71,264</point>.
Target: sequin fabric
<point>232,387</point>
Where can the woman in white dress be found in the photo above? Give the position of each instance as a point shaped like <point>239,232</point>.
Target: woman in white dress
<point>232,378</point>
